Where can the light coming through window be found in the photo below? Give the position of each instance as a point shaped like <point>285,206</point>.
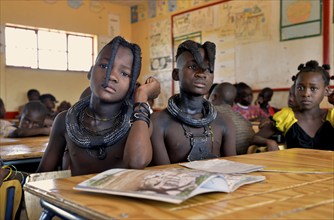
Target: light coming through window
<point>46,49</point>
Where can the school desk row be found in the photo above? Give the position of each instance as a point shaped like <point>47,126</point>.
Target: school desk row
<point>22,150</point>
<point>299,184</point>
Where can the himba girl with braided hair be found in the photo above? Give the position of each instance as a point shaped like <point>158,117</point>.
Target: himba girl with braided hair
<point>106,129</point>
<point>190,127</point>
<point>307,125</point>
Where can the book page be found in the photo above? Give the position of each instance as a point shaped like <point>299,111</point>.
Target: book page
<point>169,185</point>
<point>222,166</point>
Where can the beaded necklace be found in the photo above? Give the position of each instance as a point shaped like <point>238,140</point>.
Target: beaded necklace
<point>96,142</point>
<point>198,151</point>
<point>101,119</point>
<point>209,113</point>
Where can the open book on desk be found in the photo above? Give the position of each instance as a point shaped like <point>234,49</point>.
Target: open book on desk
<point>173,185</point>
<point>222,166</point>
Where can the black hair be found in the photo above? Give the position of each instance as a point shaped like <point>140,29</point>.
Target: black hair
<point>31,92</point>
<point>266,91</point>
<point>241,86</point>
<point>193,47</point>
<point>211,89</point>
<point>35,106</point>
<point>2,109</point>
<point>136,66</point>
<point>313,66</point>
<point>44,97</point>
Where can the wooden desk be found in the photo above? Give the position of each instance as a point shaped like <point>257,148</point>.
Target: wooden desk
<point>13,141</point>
<point>22,150</point>
<point>281,195</point>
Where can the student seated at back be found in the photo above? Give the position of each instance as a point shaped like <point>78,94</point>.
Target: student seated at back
<point>64,105</point>
<point>305,125</point>
<point>331,98</point>
<point>50,103</point>
<point>243,104</point>
<point>32,95</point>
<point>32,121</point>
<point>95,134</point>
<point>190,128</point>
<point>6,127</point>
<point>222,97</point>
<point>263,99</point>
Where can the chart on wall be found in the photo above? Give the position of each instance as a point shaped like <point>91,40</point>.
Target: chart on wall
<point>227,24</point>
<point>161,60</point>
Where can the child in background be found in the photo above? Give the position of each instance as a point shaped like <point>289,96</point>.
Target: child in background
<point>243,103</point>
<point>331,98</point>
<point>207,95</point>
<point>292,98</point>
<point>31,121</point>
<point>190,128</point>
<point>263,100</point>
<point>64,105</point>
<point>306,126</point>
<point>95,134</point>
<point>6,127</point>
<point>222,97</point>
<point>50,103</point>
<point>32,95</point>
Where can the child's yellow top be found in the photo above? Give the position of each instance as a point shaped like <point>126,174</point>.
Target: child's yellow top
<point>285,118</point>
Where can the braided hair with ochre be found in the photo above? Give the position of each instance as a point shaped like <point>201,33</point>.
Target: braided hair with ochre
<point>136,66</point>
<point>193,48</point>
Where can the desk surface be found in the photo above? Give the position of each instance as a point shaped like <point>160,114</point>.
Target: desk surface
<point>281,195</point>
<point>22,148</point>
<point>13,141</point>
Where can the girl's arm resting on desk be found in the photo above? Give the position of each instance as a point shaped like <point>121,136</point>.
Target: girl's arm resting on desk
<point>54,152</point>
<point>261,138</point>
<point>29,132</point>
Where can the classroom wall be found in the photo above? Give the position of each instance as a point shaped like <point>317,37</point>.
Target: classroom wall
<point>88,18</point>
<point>267,62</point>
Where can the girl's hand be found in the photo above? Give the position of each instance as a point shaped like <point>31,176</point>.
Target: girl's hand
<point>150,90</point>
<point>272,145</point>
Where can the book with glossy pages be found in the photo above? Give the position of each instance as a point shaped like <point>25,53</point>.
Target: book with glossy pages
<point>173,185</point>
<point>222,166</point>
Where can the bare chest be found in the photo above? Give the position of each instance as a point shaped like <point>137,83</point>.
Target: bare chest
<point>182,140</point>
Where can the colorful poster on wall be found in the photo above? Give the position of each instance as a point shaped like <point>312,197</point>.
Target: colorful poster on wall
<point>96,6</point>
<point>142,11</point>
<point>160,59</point>
<point>227,24</point>
<point>162,7</point>
<point>113,25</point>
<point>172,5</point>
<point>152,8</point>
<point>134,14</point>
<point>75,3</point>
<point>300,19</point>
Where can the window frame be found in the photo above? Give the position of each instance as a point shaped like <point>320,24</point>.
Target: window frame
<point>38,49</point>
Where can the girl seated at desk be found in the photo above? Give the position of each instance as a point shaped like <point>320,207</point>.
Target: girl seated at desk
<point>32,121</point>
<point>307,125</point>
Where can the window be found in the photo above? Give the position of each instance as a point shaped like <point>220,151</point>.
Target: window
<point>48,49</point>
